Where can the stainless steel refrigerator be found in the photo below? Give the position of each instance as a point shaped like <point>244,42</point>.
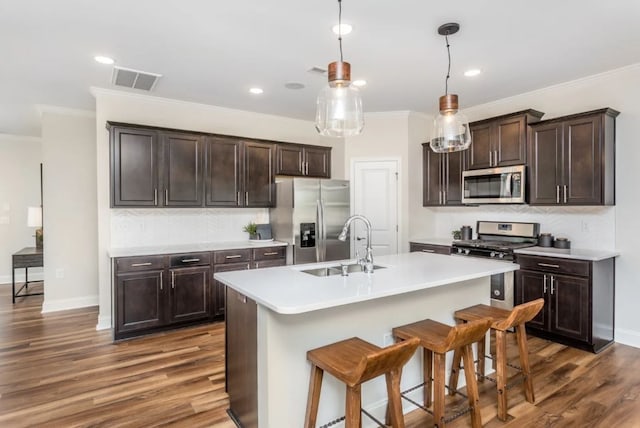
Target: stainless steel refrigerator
<point>309,215</point>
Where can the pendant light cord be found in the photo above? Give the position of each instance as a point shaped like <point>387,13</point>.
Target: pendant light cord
<point>446,80</point>
<point>340,27</point>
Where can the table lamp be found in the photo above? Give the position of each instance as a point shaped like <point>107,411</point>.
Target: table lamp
<point>34,219</point>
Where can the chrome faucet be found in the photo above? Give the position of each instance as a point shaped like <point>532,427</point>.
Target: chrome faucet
<point>367,261</point>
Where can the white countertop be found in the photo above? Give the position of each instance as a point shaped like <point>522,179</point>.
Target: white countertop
<point>191,248</point>
<point>571,253</point>
<point>433,241</point>
<point>287,290</point>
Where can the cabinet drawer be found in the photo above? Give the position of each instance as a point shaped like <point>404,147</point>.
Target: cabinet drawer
<point>268,263</point>
<point>554,265</point>
<point>232,256</point>
<point>426,248</point>
<point>269,253</point>
<point>133,264</point>
<point>190,259</point>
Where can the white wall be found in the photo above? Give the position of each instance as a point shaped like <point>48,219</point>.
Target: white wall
<point>20,159</point>
<point>609,227</point>
<point>70,217</point>
<point>141,109</point>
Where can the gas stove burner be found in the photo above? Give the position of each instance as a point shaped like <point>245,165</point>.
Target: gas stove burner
<point>498,240</point>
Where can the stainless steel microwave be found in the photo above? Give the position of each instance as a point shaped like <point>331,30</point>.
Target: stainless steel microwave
<point>502,185</point>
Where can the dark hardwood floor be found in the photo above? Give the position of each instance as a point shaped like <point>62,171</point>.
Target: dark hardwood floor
<point>56,370</point>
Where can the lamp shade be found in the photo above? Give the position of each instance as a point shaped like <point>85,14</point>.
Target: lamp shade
<point>450,127</point>
<point>34,217</point>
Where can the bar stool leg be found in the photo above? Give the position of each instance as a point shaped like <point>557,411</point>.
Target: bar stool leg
<point>394,410</point>
<point>481,354</point>
<point>438,390</point>
<point>501,373</point>
<point>315,383</point>
<point>472,387</point>
<point>455,371</point>
<point>427,373</point>
<point>353,407</point>
<point>523,348</point>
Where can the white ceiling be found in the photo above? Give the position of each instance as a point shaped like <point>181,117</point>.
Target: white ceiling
<point>213,51</point>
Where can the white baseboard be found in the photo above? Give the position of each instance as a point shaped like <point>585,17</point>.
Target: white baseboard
<point>104,322</point>
<point>35,276</point>
<point>627,337</point>
<point>65,304</point>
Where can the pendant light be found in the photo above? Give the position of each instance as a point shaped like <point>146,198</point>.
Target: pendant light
<point>450,127</point>
<point>339,106</point>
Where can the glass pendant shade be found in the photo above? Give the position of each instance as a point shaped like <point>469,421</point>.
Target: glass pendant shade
<point>339,106</point>
<point>450,127</point>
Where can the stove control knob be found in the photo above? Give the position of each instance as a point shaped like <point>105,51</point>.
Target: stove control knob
<point>501,255</point>
<point>496,293</point>
<point>459,250</point>
<point>466,252</point>
<point>493,254</point>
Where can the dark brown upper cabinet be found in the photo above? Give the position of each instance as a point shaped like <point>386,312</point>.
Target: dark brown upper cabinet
<point>301,160</point>
<point>572,160</point>
<point>502,140</point>
<point>183,168</point>
<point>442,177</point>
<point>134,167</point>
<point>240,173</point>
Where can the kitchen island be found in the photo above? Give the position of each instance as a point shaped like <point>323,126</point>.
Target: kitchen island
<point>274,316</point>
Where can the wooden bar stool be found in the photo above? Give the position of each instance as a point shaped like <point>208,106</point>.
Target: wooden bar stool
<point>503,320</point>
<point>437,339</point>
<point>354,361</point>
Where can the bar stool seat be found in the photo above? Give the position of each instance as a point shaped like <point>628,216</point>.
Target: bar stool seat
<point>437,339</point>
<point>355,361</point>
<point>503,321</point>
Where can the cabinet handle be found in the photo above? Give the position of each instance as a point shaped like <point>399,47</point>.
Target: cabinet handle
<point>552,280</point>
<point>565,193</point>
<point>548,265</point>
<point>444,197</point>
<point>490,158</point>
<point>140,264</point>
<point>495,158</point>
<point>189,260</point>
<point>238,198</point>
<point>307,163</point>
<point>439,197</point>
<point>173,279</point>
<point>161,280</point>
<point>557,194</point>
<point>155,196</point>
<point>237,256</point>
<point>248,266</point>
<point>242,298</point>
<point>257,265</point>
<point>428,251</point>
<point>166,196</point>
<point>271,253</point>
<point>246,198</point>
<point>544,286</point>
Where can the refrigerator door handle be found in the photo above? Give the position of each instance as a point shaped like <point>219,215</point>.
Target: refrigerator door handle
<point>319,252</point>
<point>324,231</point>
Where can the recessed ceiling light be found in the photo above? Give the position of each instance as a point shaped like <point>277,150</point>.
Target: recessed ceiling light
<point>294,85</point>
<point>346,29</point>
<point>359,83</point>
<point>104,59</point>
<point>472,72</point>
<point>256,91</point>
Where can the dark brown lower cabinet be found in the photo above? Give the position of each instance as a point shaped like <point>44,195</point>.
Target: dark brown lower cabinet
<point>190,294</point>
<point>219,288</point>
<point>139,302</point>
<point>579,299</point>
<point>429,248</point>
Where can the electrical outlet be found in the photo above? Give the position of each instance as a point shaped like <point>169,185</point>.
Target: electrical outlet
<point>585,226</point>
<point>387,339</point>
<point>59,273</point>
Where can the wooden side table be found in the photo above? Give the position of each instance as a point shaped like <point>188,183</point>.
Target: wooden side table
<point>25,258</point>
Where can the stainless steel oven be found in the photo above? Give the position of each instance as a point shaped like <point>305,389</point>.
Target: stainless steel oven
<point>503,185</point>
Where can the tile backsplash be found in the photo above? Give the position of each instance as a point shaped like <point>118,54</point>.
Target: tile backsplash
<point>144,227</point>
<point>585,227</point>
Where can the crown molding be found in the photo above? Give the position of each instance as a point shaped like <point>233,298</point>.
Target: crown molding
<point>66,111</point>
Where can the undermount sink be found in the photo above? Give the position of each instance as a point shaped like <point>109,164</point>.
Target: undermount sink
<point>337,270</point>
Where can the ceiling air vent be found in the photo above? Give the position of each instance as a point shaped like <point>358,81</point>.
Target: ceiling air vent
<point>134,79</point>
<point>317,70</point>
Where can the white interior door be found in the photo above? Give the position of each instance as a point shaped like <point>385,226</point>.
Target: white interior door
<point>375,196</point>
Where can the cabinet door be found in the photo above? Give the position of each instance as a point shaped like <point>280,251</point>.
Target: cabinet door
<point>223,177</point>
<point>134,167</point>
<point>570,306</point>
<point>545,164</point>
<point>480,152</point>
<point>190,294</point>
<point>452,185</point>
<point>183,173</point>
<point>531,286</point>
<point>582,162</point>
<point>259,178</point>
<point>139,301</point>
<point>220,288</point>
<point>429,248</point>
<point>431,177</point>
<point>317,161</point>
<point>289,160</point>
<point>510,141</point>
